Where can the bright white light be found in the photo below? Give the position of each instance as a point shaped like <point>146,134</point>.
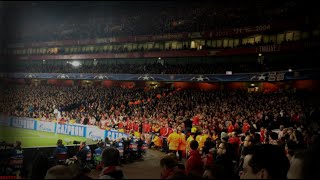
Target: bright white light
<point>159,58</point>
<point>252,84</point>
<point>290,70</point>
<point>260,54</point>
<point>76,64</point>
<point>43,60</point>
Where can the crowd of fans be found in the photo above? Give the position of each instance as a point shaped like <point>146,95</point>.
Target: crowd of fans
<point>218,128</point>
<point>222,134</point>
<point>147,19</point>
<point>158,105</point>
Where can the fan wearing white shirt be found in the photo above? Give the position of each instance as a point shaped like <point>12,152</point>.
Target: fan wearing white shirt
<point>57,114</point>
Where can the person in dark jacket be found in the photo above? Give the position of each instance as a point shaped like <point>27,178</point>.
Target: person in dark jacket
<point>16,158</point>
<point>84,153</point>
<point>107,142</point>
<point>98,151</point>
<point>140,143</point>
<point>261,164</point>
<point>60,149</point>
<point>208,144</point>
<point>111,161</point>
<point>59,172</point>
<point>40,166</point>
<point>16,152</point>
<point>224,158</point>
<point>303,164</point>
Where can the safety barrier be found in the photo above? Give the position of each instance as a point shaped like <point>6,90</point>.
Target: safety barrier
<point>90,132</point>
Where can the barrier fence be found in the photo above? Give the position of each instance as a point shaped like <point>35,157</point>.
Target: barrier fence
<point>90,132</point>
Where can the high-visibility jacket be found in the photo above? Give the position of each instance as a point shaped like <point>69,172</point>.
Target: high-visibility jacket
<point>198,138</point>
<point>190,138</point>
<point>136,134</point>
<point>193,130</point>
<point>157,141</point>
<point>182,145</point>
<point>174,141</point>
<point>202,140</point>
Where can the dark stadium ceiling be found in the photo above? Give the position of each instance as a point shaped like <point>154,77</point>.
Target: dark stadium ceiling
<point>80,6</point>
<point>51,4</point>
<point>122,4</point>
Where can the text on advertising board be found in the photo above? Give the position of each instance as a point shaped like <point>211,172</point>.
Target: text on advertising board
<point>70,130</point>
<point>23,123</point>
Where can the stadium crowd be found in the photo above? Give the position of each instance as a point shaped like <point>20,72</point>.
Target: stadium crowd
<point>155,105</point>
<point>223,133</point>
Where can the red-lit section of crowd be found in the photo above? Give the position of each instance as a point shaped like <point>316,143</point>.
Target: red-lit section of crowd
<point>150,110</point>
<point>211,128</point>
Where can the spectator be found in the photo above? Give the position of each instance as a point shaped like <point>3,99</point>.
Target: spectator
<point>214,172</point>
<point>169,167</point>
<point>16,152</point>
<point>40,166</point>
<point>107,142</point>
<point>224,158</point>
<point>208,159</point>
<point>273,138</point>
<point>60,149</point>
<point>111,162</point>
<point>98,151</point>
<point>59,172</point>
<point>248,141</point>
<point>260,164</point>
<point>208,144</point>
<point>84,153</point>
<point>194,164</point>
<point>290,154</point>
<point>302,164</point>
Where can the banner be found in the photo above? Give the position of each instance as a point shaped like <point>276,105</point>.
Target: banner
<point>113,135</point>
<point>45,126</point>
<point>237,77</point>
<point>73,130</point>
<point>5,121</point>
<point>94,133</point>
<point>25,123</point>
<point>90,132</point>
